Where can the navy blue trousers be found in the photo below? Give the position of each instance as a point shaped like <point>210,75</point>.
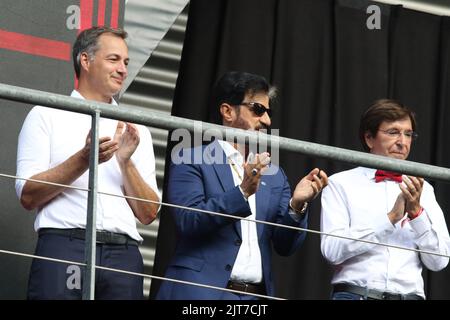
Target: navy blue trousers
<point>346,296</point>
<point>62,281</point>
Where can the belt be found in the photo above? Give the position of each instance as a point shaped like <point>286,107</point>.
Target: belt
<point>247,287</point>
<point>105,237</point>
<point>374,294</point>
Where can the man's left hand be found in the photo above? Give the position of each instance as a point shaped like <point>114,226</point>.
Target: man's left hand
<point>127,139</point>
<point>309,187</point>
<point>412,190</point>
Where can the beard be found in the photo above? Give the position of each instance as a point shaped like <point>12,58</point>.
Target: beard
<point>244,124</point>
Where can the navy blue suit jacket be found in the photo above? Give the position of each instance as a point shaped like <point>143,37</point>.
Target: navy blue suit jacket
<point>207,245</point>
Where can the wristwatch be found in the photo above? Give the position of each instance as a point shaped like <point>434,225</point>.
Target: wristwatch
<point>302,210</point>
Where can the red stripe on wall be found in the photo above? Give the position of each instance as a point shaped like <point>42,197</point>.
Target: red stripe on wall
<point>35,45</point>
<point>101,12</point>
<point>115,14</point>
<point>86,9</point>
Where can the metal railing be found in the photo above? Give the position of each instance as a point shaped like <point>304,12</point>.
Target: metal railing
<point>427,6</point>
<point>191,209</point>
<point>161,120</point>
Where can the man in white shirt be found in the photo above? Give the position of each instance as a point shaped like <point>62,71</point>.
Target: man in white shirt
<point>221,251</point>
<point>54,146</point>
<point>386,208</point>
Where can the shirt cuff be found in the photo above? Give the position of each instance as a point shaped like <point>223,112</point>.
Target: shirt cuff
<point>421,223</point>
<point>297,217</point>
<point>243,193</point>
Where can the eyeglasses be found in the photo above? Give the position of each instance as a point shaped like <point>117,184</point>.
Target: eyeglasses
<point>394,133</point>
<point>257,108</point>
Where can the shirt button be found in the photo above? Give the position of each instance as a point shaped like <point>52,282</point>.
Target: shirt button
<point>238,242</point>
<point>228,267</point>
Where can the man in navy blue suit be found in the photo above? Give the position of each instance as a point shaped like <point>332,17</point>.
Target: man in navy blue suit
<point>222,251</point>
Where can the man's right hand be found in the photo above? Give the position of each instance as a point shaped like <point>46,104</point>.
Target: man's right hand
<point>35,194</point>
<point>253,169</point>
<point>106,149</point>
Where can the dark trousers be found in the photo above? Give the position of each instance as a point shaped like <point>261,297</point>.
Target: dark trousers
<point>56,280</point>
<point>346,296</point>
<point>234,296</point>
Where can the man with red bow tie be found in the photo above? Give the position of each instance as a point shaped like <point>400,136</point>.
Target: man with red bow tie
<point>382,207</point>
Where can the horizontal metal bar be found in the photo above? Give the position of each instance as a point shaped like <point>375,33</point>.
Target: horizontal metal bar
<point>423,6</point>
<point>162,120</point>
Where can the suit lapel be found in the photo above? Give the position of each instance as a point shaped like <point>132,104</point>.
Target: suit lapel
<point>216,156</point>
<point>218,159</point>
<point>262,203</point>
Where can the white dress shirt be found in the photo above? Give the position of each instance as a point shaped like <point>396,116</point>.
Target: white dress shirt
<point>354,205</point>
<point>247,267</point>
<point>48,138</point>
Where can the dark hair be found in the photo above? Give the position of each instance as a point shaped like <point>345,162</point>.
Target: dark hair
<point>232,88</point>
<point>380,111</point>
<point>87,41</point>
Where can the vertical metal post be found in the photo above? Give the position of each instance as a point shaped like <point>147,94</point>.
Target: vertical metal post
<point>91,221</point>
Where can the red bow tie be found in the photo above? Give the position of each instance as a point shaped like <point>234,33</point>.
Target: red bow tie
<point>381,175</point>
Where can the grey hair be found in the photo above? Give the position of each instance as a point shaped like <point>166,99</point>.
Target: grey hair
<point>273,93</point>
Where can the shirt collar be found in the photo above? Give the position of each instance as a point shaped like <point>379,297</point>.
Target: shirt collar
<point>231,152</point>
<point>368,172</point>
<point>76,94</point>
